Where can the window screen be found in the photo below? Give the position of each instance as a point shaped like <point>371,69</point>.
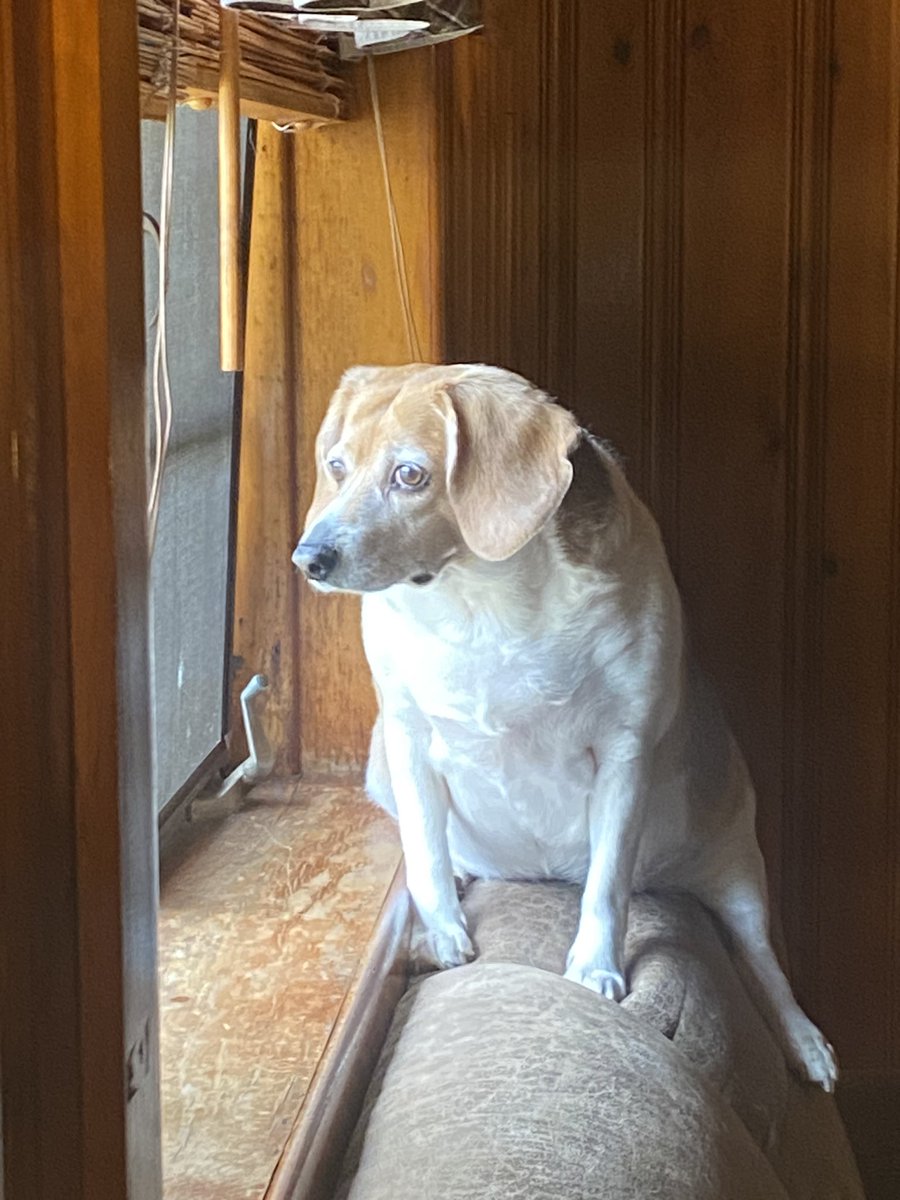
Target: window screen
<point>189,576</point>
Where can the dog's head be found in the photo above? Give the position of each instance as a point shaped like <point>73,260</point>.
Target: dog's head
<point>419,464</point>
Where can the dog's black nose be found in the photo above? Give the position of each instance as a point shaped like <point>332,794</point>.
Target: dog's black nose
<point>317,561</point>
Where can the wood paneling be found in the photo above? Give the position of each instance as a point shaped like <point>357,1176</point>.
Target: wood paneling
<point>807,379</point>
<point>613,193</point>
<point>856,847</point>
<point>78,1022</point>
<point>682,244</point>
<point>729,445</point>
<point>674,248</point>
<point>507,192</point>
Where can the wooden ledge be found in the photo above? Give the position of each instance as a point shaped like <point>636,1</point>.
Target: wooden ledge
<point>281,956</point>
<point>311,1163</point>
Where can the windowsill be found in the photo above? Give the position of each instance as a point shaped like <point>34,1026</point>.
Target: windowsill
<point>274,946</point>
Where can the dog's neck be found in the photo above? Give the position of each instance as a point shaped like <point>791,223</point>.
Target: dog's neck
<point>518,596</point>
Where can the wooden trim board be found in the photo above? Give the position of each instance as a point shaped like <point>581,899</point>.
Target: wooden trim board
<point>78,1015</point>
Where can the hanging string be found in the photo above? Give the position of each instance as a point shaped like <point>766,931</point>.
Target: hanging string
<point>412,335</point>
<point>162,387</point>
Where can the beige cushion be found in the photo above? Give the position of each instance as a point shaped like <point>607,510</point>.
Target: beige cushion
<point>502,1081</point>
<point>680,976</point>
<point>683,984</point>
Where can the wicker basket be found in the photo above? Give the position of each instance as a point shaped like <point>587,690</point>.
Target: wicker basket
<point>287,74</point>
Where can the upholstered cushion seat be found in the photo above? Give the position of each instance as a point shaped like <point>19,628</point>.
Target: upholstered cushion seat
<point>502,1079</point>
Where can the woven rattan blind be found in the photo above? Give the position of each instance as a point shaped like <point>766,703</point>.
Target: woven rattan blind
<point>287,74</point>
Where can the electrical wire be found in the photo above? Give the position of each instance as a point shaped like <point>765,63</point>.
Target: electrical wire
<point>162,387</point>
<point>412,336</point>
<point>151,228</point>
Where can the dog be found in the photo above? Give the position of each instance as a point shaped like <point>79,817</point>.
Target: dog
<point>540,716</point>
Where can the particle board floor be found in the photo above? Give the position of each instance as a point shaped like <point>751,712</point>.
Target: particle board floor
<point>264,916</point>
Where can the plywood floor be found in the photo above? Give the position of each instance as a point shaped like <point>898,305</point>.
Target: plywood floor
<point>264,917</point>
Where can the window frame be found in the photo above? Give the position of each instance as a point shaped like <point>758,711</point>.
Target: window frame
<point>78,1008</point>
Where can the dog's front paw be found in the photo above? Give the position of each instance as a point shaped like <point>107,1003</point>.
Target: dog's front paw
<point>606,982</point>
<point>436,946</point>
<point>811,1056</point>
<point>595,959</point>
<point>594,967</point>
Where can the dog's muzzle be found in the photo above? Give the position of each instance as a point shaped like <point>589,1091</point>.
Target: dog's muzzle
<point>315,560</point>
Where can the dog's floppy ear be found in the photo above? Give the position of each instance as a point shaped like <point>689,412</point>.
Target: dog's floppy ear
<point>507,464</point>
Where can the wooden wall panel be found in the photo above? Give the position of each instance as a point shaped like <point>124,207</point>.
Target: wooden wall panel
<point>810,134</point>
<point>681,217</point>
<point>856,747</point>
<point>266,589</point>
<point>507,192</point>
<point>677,242</point>
<point>728,528</point>
<point>613,192</point>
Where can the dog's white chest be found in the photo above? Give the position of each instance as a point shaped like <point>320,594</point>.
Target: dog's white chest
<point>486,688</point>
<point>508,732</point>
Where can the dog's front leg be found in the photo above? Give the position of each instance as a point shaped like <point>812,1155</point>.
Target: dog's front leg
<point>616,817</point>
<point>422,807</point>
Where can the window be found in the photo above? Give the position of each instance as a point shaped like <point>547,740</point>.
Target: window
<point>191,568</point>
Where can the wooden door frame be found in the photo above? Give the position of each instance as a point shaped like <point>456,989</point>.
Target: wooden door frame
<point>78,1010</point>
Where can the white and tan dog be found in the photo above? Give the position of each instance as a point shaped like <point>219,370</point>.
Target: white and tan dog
<point>540,717</point>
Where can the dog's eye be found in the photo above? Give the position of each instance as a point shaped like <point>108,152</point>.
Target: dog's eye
<point>409,476</point>
<point>337,469</point>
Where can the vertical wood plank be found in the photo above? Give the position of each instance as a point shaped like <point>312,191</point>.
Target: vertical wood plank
<point>231,289</point>
<point>79,1029</point>
<point>611,191</point>
<point>490,202</point>
<point>810,140</point>
<point>507,138</point>
<point>857,803</point>
<point>732,409</point>
<point>266,588</point>
<point>628,263</point>
<point>34,880</point>
<point>663,234</point>
<point>562,33</point>
<point>101,277</point>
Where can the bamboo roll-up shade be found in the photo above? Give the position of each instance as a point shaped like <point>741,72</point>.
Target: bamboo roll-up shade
<point>287,74</point>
